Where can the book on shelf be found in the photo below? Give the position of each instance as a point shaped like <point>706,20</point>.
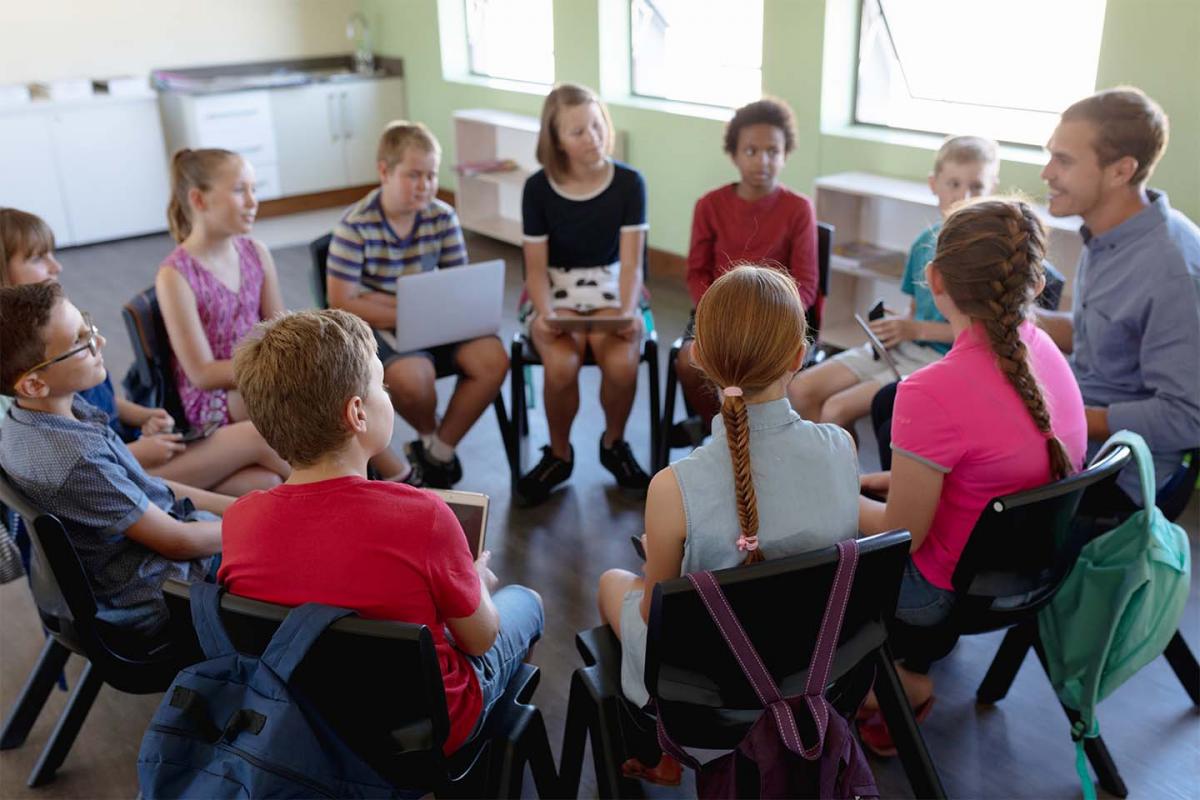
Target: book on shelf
<point>469,168</point>
<point>873,257</point>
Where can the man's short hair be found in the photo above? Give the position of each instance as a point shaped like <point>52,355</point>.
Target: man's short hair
<point>966,150</point>
<point>400,135</point>
<point>1125,122</point>
<point>296,372</point>
<point>24,311</point>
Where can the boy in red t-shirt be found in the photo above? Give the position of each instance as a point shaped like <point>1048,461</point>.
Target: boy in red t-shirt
<point>314,389</point>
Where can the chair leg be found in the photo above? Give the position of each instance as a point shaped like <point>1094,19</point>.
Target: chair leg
<point>506,431</point>
<point>34,693</point>
<point>580,718</point>
<point>668,414</point>
<point>1007,663</point>
<point>914,755</point>
<point>67,728</point>
<point>535,751</point>
<point>520,415</point>
<point>651,355</point>
<point>607,752</point>
<point>1107,774</point>
<point>1180,657</point>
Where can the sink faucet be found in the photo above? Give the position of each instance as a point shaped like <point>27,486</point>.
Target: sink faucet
<point>359,32</point>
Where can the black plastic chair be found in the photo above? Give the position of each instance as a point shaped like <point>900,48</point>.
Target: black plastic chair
<point>318,249</point>
<point>152,352</point>
<point>67,609</point>
<point>700,690</point>
<point>825,233</point>
<point>378,684</point>
<point>523,353</point>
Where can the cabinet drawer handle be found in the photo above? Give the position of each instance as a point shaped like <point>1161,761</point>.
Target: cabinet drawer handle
<point>236,112</point>
<point>333,130</point>
<point>346,130</point>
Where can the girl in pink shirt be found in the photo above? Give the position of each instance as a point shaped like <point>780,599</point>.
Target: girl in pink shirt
<point>1000,413</point>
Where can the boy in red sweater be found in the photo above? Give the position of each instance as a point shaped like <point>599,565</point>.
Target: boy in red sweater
<point>756,219</point>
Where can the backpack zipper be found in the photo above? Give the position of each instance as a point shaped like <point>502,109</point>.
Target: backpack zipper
<point>262,764</point>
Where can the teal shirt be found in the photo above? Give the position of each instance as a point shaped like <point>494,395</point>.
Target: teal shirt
<point>920,254</point>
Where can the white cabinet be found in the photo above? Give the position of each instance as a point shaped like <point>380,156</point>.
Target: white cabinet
<point>327,134</point>
<point>93,169</point>
<point>490,202</point>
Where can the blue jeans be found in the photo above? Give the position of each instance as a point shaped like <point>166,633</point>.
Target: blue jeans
<point>920,602</point>
<point>521,624</point>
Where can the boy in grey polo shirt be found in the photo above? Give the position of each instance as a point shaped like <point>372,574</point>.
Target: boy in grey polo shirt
<point>130,530</point>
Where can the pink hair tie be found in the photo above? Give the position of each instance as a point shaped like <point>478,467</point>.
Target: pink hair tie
<point>732,391</point>
<point>747,542</point>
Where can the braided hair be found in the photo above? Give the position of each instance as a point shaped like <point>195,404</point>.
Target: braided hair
<point>989,255</point>
<point>750,328</point>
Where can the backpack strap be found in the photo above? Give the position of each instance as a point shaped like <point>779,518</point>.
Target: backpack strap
<point>206,619</point>
<point>1141,456</point>
<point>820,664</point>
<point>300,629</point>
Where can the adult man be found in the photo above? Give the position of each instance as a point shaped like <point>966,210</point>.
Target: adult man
<point>1134,330</point>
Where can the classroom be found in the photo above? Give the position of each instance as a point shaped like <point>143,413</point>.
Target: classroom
<point>519,398</point>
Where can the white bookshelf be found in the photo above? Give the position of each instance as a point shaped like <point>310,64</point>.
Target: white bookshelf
<point>490,203</point>
<point>888,214</point>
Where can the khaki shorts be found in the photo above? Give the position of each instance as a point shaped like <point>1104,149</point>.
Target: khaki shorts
<point>909,357</point>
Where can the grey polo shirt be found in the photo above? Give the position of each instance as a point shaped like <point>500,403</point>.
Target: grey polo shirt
<point>80,471</point>
<point>1137,332</point>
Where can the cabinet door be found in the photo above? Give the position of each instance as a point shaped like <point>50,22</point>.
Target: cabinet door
<point>308,139</point>
<point>28,173</point>
<point>113,169</point>
<point>365,107</point>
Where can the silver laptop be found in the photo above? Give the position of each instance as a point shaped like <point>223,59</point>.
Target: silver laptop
<point>449,305</point>
<point>878,345</point>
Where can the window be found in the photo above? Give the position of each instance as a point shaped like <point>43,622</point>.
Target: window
<point>1005,70</point>
<point>511,39</point>
<point>697,51</point>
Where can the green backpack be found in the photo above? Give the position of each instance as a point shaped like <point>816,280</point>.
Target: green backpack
<point>1118,607</point>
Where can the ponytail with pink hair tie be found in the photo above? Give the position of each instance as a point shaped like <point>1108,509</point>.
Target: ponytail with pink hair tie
<point>747,542</point>
<point>733,391</point>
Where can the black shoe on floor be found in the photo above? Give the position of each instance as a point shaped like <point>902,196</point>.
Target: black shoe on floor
<point>433,473</point>
<point>619,460</point>
<point>534,487</point>
<point>688,433</point>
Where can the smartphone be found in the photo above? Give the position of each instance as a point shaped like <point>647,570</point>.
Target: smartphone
<point>195,434</point>
<point>875,313</point>
<point>471,509</point>
<point>638,547</point>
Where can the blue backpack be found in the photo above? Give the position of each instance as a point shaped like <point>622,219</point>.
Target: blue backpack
<point>232,727</point>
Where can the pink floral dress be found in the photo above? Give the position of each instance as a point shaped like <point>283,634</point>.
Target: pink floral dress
<point>226,317</point>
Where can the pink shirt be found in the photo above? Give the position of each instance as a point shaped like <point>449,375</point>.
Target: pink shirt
<point>963,418</point>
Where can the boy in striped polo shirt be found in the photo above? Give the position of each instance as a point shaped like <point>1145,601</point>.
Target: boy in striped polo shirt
<point>400,229</point>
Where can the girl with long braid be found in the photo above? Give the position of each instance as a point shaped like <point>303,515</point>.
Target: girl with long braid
<point>1000,413</point>
<point>768,483</point>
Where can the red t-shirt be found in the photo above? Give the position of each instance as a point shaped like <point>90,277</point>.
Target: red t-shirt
<point>780,228</point>
<point>383,549</point>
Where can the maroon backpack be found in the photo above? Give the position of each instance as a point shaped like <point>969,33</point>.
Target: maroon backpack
<point>772,760</point>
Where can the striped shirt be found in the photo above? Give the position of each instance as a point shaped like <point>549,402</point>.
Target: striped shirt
<point>366,250</point>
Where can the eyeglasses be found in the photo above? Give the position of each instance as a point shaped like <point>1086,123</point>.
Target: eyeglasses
<point>91,345</point>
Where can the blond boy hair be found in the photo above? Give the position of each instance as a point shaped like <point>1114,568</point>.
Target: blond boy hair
<point>399,135</point>
<point>296,373</point>
<point>966,150</point>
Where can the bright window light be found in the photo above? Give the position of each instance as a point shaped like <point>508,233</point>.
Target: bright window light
<point>697,51</point>
<point>1004,70</point>
<point>511,39</point>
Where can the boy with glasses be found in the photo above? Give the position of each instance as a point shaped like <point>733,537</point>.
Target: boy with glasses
<point>130,530</point>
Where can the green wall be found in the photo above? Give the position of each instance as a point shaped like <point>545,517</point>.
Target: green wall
<point>1154,44</point>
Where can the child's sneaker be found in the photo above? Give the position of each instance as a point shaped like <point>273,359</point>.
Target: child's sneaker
<point>535,485</point>
<point>434,474</point>
<point>619,460</point>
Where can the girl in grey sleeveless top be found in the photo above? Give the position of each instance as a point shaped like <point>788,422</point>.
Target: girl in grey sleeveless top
<point>767,485</point>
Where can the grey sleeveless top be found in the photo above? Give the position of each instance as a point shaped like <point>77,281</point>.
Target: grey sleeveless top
<point>806,483</point>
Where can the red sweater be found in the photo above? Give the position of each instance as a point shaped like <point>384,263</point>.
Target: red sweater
<point>779,228</point>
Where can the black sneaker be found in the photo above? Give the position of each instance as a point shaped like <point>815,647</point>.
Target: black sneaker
<point>535,485</point>
<point>688,433</point>
<point>433,473</point>
<point>619,460</point>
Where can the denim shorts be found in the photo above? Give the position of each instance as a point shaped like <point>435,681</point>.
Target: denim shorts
<point>920,602</point>
<point>521,624</point>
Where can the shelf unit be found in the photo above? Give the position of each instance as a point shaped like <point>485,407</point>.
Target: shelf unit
<point>490,203</point>
<point>889,213</point>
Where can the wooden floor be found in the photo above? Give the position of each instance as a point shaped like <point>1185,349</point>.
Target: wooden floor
<point>1020,748</point>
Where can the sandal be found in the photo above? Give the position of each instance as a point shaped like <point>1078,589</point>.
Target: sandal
<point>874,733</point>
<point>666,772</point>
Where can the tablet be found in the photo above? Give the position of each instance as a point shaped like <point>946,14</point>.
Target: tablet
<point>878,345</point>
<point>589,324</point>
<point>471,509</point>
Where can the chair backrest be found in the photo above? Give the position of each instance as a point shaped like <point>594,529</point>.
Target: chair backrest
<point>1023,544</point>
<point>377,682</point>
<point>825,233</point>
<point>152,350</point>
<point>780,603</point>
<point>318,251</point>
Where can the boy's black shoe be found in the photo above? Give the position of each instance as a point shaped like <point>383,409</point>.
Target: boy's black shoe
<point>535,485</point>
<point>688,433</point>
<point>619,460</point>
<point>434,474</point>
